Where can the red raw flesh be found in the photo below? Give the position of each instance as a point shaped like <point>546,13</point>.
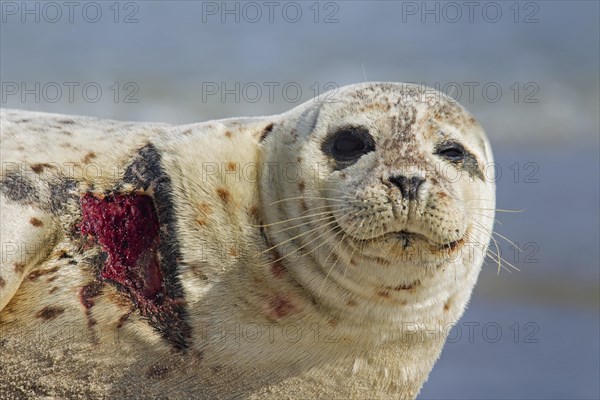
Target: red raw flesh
<point>127,227</point>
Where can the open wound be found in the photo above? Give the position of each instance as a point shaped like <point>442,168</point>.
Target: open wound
<point>127,228</point>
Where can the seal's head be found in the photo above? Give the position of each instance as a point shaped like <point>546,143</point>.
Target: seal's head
<point>393,184</point>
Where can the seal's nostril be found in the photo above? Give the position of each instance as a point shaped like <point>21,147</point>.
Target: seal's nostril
<point>401,183</point>
<point>415,183</point>
<point>409,187</point>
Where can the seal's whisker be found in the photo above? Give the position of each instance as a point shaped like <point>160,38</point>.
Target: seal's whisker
<point>507,239</point>
<point>311,241</point>
<point>500,210</point>
<point>297,218</point>
<point>333,229</point>
<point>297,236</point>
<point>306,223</point>
<point>335,263</point>
<point>321,207</point>
<point>308,197</point>
<point>488,216</point>
<point>499,258</point>
<point>496,257</point>
<point>348,194</point>
<point>350,259</point>
<point>491,254</point>
<point>493,232</point>
<point>346,246</point>
<point>296,250</point>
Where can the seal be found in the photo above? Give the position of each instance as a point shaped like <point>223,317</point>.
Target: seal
<point>321,253</point>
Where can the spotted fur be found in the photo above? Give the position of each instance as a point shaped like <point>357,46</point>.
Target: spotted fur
<point>275,272</point>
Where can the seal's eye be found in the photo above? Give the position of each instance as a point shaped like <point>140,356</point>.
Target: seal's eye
<point>452,151</point>
<point>347,145</point>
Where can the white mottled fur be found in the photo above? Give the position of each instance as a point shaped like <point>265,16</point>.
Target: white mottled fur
<point>318,328</point>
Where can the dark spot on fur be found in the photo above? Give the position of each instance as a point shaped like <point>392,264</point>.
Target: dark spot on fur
<point>231,166</point>
<point>2,282</point>
<point>281,306</point>
<point>49,312</point>
<point>303,205</point>
<point>88,292</point>
<point>86,296</point>
<point>204,208</point>
<point>19,189</point>
<point>268,129</point>
<point>54,289</point>
<point>224,195</point>
<point>88,157</point>
<point>157,372</point>
<point>301,185</point>
<point>38,168</point>
<point>410,286</point>
<point>66,121</point>
<point>19,267</point>
<point>228,134</point>
<point>277,268</point>
<point>203,277</point>
<point>41,272</point>
<point>351,303</point>
<point>187,132</point>
<point>447,306</point>
<point>62,254</point>
<point>383,293</point>
<point>52,278</point>
<point>215,369</point>
<point>123,319</point>
<point>61,192</point>
<point>36,222</point>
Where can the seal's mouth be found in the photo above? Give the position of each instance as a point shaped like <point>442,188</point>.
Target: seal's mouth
<point>407,238</point>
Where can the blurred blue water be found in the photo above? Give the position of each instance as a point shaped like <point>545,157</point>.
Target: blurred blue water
<point>171,54</point>
<point>554,357</point>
